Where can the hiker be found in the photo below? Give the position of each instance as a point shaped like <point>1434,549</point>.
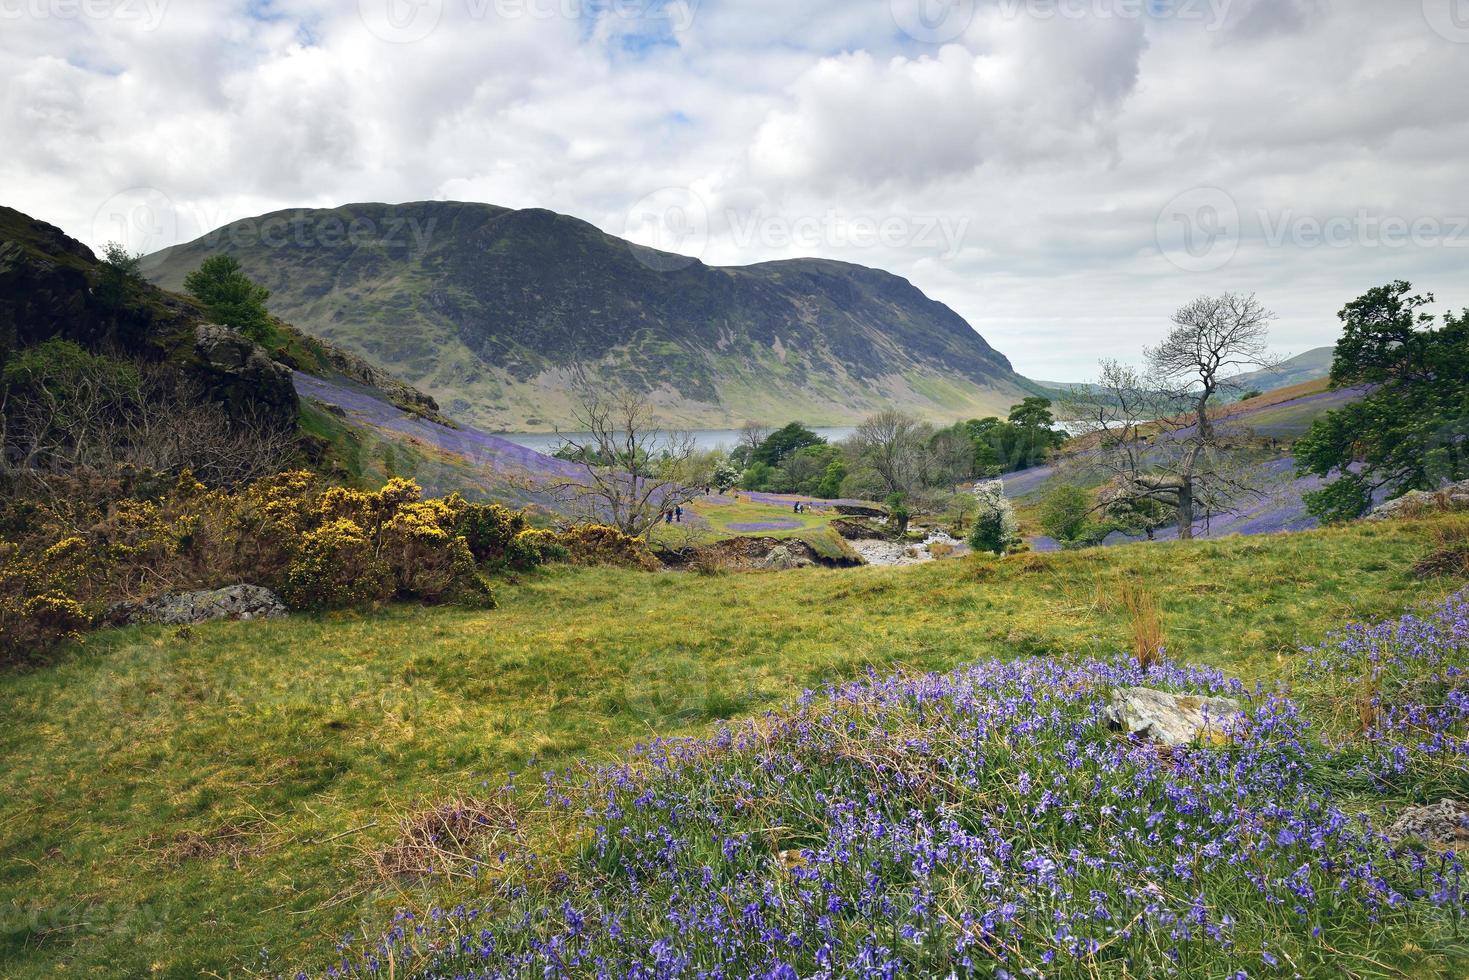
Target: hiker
<point>668,517</point>
<point>678,514</point>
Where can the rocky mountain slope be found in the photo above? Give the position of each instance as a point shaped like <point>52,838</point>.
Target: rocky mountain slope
<point>502,314</point>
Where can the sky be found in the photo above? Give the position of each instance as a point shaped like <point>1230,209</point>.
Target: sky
<point>1063,173</point>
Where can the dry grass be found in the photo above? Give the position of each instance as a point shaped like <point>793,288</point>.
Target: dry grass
<point>1449,554</point>
<point>447,839</point>
<point>1144,622</point>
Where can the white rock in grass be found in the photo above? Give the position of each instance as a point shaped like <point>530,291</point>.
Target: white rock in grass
<point>1171,719</point>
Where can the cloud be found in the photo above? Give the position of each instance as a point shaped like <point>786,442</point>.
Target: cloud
<point>1016,171</point>
<point>915,120</point>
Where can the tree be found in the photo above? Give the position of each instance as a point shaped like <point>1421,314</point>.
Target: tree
<point>996,529</point>
<point>118,275</point>
<point>726,475</point>
<point>953,456</point>
<point>803,470</point>
<point>894,446</point>
<point>230,297</point>
<point>632,471</point>
<point>758,477</point>
<point>830,487</point>
<point>1156,433</point>
<point>1066,515</point>
<point>751,435</point>
<point>1410,429</point>
<point>783,443</point>
<point>1132,514</point>
<point>1033,413</point>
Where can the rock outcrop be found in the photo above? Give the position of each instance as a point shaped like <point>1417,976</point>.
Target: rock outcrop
<point>1415,503</point>
<point>242,373</point>
<point>240,602</point>
<point>1170,719</point>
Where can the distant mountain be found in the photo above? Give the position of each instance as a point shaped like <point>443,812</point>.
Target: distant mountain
<point>1313,364</point>
<point>1310,366</point>
<point>501,314</point>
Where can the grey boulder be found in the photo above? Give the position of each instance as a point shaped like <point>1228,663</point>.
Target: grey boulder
<point>1442,824</point>
<point>240,602</point>
<point>1170,719</point>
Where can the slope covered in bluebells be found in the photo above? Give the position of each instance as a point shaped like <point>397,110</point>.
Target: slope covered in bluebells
<point>988,821</point>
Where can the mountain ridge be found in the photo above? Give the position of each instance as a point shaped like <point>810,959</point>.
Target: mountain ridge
<point>501,313</point>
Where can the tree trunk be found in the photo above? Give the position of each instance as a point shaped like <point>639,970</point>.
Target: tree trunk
<point>1186,511</point>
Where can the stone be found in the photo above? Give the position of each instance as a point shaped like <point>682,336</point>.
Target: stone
<point>1453,497</point>
<point>1170,719</point>
<point>1444,824</point>
<point>239,602</point>
<point>242,374</point>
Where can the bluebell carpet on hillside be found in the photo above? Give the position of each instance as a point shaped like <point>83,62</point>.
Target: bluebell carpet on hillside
<point>988,822</point>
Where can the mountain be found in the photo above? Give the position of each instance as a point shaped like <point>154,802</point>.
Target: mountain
<point>1313,364</point>
<point>500,314</point>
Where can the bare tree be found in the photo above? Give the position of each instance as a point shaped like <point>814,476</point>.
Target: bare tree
<point>752,434</point>
<point>104,417</point>
<point>633,471</point>
<point>1157,434</point>
<point>895,447</point>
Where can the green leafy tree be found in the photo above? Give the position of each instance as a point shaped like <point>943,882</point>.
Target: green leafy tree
<point>118,275</point>
<point>785,442</point>
<point>1410,431</point>
<point>230,297</point>
<point>1066,515</point>
<point>830,487</point>
<point>758,477</point>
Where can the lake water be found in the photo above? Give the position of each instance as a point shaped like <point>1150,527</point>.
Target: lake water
<point>704,439</point>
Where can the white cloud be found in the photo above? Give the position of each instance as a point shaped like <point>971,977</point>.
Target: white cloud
<point>1043,147</point>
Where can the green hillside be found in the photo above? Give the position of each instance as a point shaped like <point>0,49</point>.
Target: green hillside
<point>499,313</point>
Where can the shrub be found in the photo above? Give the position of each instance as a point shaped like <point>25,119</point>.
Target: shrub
<point>321,547</point>
<point>533,547</point>
<point>334,566</point>
<point>1450,554</point>
<point>599,544</point>
<point>996,529</point>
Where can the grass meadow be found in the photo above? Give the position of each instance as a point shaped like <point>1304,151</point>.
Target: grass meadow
<point>208,801</point>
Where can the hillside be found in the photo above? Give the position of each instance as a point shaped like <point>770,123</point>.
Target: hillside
<point>1313,364</point>
<point>355,421</point>
<point>499,313</point>
<point>175,803</point>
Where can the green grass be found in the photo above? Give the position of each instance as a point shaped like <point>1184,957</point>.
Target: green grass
<point>287,748</point>
<point>743,511</point>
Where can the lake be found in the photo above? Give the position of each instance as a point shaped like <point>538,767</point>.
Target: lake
<point>704,439</point>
